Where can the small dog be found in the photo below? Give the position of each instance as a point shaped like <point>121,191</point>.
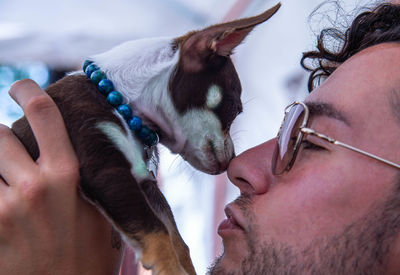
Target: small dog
<point>187,91</point>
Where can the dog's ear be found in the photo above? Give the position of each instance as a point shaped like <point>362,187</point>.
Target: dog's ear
<point>218,39</point>
<point>225,37</point>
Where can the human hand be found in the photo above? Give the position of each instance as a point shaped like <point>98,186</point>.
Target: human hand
<point>45,225</point>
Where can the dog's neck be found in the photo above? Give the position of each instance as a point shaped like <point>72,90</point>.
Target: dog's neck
<point>141,71</point>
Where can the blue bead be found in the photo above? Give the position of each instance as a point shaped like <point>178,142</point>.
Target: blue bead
<point>143,133</point>
<point>90,69</point>
<point>135,123</point>
<point>97,76</point>
<point>115,98</point>
<point>105,86</point>
<point>152,139</point>
<point>86,64</point>
<point>125,110</point>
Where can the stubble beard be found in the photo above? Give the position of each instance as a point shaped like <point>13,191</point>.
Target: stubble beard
<point>361,248</point>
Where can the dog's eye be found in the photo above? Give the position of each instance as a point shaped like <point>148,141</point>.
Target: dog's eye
<point>214,97</point>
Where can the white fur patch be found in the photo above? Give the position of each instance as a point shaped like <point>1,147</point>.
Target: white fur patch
<point>200,125</point>
<point>214,97</point>
<point>130,147</point>
<point>135,66</point>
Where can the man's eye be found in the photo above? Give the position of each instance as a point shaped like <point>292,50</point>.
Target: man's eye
<point>310,146</point>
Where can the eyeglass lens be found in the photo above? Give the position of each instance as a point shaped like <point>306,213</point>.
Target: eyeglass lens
<point>287,140</point>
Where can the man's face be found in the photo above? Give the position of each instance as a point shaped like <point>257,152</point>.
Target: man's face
<point>323,214</point>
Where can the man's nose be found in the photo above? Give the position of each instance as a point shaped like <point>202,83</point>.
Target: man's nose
<point>251,170</point>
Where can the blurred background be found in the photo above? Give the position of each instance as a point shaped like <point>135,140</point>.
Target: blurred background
<point>44,39</point>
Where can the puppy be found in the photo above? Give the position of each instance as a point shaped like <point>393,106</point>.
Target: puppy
<point>184,92</point>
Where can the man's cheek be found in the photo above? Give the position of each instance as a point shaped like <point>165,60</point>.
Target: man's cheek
<point>293,210</point>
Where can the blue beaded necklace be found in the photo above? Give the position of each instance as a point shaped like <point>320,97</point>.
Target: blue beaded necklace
<point>106,87</point>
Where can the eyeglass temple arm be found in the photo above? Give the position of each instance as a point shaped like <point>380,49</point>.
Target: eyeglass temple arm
<point>333,141</point>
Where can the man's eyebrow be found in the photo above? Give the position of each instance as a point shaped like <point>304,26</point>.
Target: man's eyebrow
<point>328,110</point>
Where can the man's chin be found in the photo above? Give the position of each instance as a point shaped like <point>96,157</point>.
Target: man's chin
<point>235,251</point>
<point>217,267</point>
<point>224,265</point>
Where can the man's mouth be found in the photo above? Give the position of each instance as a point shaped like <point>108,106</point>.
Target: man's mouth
<point>229,224</point>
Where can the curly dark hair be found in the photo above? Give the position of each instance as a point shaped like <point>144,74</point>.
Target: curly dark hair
<point>379,25</point>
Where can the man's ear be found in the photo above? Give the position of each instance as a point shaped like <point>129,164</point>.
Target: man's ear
<point>219,39</point>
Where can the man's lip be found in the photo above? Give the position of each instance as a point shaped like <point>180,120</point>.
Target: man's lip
<point>230,223</point>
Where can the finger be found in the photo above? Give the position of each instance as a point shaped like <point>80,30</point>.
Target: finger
<point>15,162</point>
<point>45,120</point>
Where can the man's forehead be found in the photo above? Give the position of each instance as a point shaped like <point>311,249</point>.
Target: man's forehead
<point>381,49</point>
<point>373,72</point>
<point>373,63</point>
<point>361,86</point>
<point>379,61</point>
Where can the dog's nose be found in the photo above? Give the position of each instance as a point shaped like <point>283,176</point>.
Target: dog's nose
<point>223,153</point>
<point>223,165</point>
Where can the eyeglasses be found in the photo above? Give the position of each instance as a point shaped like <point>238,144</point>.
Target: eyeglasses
<point>291,134</point>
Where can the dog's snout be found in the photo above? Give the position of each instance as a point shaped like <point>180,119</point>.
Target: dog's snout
<point>224,164</point>
<point>223,153</point>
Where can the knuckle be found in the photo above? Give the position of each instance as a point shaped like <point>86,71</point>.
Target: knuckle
<point>70,176</point>
<point>65,165</point>
<point>65,174</point>
<point>32,191</point>
<point>73,171</point>
<point>39,104</point>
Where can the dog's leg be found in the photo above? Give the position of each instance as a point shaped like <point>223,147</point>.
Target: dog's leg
<point>121,200</point>
<point>130,198</point>
<point>161,207</point>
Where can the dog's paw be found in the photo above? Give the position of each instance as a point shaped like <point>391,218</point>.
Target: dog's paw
<point>160,255</point>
